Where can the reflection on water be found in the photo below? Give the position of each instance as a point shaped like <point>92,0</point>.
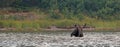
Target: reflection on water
<point>60,39</point>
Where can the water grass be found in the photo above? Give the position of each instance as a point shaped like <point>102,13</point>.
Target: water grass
<point>62,22</point>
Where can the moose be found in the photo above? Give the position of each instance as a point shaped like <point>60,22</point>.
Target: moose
<point>78,31</point>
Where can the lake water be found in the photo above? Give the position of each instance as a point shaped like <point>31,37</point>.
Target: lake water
<point>60,39</point>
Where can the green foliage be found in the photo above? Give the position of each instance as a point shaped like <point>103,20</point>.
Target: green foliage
<point>102,9</point>
<point>59,13</point>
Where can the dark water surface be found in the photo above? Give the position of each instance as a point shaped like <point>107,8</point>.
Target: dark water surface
<point>60,39</point>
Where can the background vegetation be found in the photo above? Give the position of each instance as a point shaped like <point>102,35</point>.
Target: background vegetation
<point>44,13</point>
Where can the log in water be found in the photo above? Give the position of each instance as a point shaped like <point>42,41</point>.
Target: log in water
<point>60,39</point>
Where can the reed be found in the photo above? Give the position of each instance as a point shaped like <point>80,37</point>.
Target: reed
<point>62,22</point>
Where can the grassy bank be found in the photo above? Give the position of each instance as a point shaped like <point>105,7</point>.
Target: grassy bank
<point>39,19</point>
<point>62,22</point>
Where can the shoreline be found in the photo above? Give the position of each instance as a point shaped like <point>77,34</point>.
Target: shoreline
<point>55,29</point>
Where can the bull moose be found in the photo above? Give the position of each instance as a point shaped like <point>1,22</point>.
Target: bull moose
<point>77,32</point>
